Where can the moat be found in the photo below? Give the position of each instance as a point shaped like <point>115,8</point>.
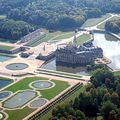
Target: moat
<point>51,65</point>
<point>107,42</point>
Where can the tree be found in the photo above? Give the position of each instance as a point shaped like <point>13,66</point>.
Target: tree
<point>107,97</point>
<point>115,98</point>
<point>100,75</point>
<point>118,89</point>
<point>113,26</point>
<point>11,29</point>
<point>112,115</point>
<point>107,108</point>
<point>80,115</point>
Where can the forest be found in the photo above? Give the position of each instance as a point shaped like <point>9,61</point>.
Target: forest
<point>14,30</point>
<point>113,26</point>
<point>56,14</point>
<point>100,98</point>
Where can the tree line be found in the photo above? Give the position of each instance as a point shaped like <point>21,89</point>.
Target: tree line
<point>56,14</point>
<point>14,30</point>
<point>113,26</point>
<point>100,98</point>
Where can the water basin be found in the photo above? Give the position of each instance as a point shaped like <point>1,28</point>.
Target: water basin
<point>17,66</point>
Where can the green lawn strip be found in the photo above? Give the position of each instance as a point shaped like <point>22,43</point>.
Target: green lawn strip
<point>19,114</point>
<point>66,101</point>
<point>58,88</point>
<point>8,55</point>
<point>2,78</point>
<point>94,21</point>
<point>34,41</point>
<point>65,36</point>
<point>3,47</point>
<point>117,73</point>
<point>102,26</point>
<point>83,38</point>
<point>23,84</point>
<point>50,36</point>
<point>62,73</point>
<point>23,75</point>
<point>46,38</point>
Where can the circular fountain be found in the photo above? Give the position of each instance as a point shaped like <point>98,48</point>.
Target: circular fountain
<point>17,66</point>
<point>41,85</point>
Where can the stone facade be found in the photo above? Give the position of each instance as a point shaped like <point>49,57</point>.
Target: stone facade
<point>46,57</point>
<point>78,55</point>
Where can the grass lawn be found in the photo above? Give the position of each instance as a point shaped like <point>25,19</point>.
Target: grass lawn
<point>65,36</point>
<point>1,78</point>
<point>23,84</point>
<point>8,55</point>
<point>95,21</point>
<point>3,47</point>
<point>62,73</point>
<point>50,37</point>
<point>66,101</point>
<point>102,26</point>
<point>59,87</point>
<point>19,114</point>
<point>48,94</point>
<point>33,42</point>
<point>44,39</point>
<point>83,38</point>
<point>117,73</point>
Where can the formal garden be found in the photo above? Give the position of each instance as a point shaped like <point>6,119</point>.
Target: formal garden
<point>19,99</point>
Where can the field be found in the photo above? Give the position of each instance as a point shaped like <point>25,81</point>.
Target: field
<point>50,37</point>
<point>65,36</point>
<point>3,47</point>
<point>83,38</point>
<point>117,73</point>
<point>25,85</point>
<point>52,72</point>
<point>95,21</point>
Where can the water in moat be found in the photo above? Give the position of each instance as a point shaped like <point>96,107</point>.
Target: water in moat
<point>111,50</point>
<point>51,65</point>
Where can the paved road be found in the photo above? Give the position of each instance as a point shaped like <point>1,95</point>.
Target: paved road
<point>95,26</point>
